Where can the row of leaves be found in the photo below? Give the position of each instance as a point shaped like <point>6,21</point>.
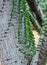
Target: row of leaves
<point>26,38</point>
<point>12,14</point>
<point>24,26</point>
<point>13,9</point>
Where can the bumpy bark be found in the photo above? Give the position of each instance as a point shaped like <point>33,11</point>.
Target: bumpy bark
<point>35,8</point>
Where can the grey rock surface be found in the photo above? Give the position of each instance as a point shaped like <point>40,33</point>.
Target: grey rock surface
<point>9,46</point>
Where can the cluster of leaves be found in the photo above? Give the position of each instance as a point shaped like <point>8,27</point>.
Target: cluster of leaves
<point>43,5</point>
<point>44,24</point>
<point>28,38</point>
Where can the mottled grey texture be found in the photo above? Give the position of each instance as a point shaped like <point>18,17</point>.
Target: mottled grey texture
<point>9,36</point>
